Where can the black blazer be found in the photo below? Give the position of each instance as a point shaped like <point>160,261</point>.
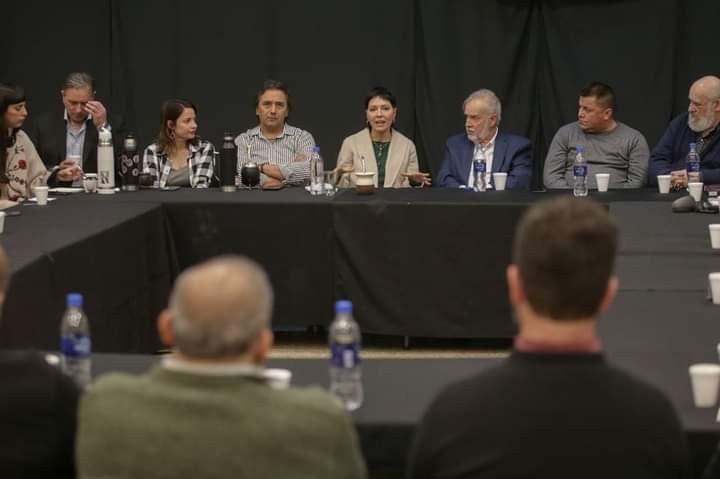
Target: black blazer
<point>49,135</point>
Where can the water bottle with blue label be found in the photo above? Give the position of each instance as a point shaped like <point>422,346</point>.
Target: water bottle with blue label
<point>75,344</point>
<point>345,373</point>
<point>693,165</point>
<point>479,169</point>
<point>580,170</point>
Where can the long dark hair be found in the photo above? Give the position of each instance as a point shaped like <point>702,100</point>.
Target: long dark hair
<point>9,95</point>
<point>171,111</point>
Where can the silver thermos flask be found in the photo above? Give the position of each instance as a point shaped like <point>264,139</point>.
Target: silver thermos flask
<point>105,163</point>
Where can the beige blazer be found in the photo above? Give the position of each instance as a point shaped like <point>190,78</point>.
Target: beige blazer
<point>402,158</point>
<point>24,169</point>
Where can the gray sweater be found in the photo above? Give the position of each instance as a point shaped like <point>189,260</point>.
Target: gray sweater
<point>622,152</point>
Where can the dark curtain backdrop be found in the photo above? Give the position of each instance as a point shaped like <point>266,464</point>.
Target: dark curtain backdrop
<point>535,55</point>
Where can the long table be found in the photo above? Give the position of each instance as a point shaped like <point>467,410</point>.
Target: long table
<point>424,263</point>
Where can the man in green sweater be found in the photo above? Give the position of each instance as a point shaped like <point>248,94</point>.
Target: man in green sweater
<point>207,410</point>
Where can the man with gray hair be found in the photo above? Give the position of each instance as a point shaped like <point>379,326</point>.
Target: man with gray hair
<point>698,125</point>
<point>503,152</point>
<point>71,139</point>
<point>208,410</point>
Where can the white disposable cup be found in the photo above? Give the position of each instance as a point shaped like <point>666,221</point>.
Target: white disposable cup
<point>41,195</point>
<point>705,379</point>
<point>278,378</point>
<point>695,189</point>
<point>663,183</point>
<point>90,182</point>
<point>603,180</point>
<point>2,221</point>
<point>714,235</point>
<point>500,180</point>
<point>714,279</point>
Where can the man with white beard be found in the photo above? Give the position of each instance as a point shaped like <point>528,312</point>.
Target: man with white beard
<point>700,126</point>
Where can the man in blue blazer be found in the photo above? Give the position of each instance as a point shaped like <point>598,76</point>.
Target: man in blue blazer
<point>504,152</point>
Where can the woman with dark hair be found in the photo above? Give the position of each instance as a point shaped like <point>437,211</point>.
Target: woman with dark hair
<point>20,165</point>
<point>178,157</point>
<point>380,148</point>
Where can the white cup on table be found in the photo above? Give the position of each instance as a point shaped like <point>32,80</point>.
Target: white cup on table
<point>714,235</point>
<point>603,181</point>
<point>277,378</point>
<point>41,195</point>
<point>499,180</point>
<point>695,189</point>
<point>663,183</point>
<point>705,380</point>
<point>2,221</point>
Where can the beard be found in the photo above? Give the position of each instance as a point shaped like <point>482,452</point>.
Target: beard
<point>698,124</point>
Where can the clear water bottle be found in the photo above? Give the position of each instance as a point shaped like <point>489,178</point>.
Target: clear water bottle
<point>317,180</point>
<point>580,170</point>
<point>479,169</point>
<point>75,346</point>
<point>345,374</point>
<point>693,165</point>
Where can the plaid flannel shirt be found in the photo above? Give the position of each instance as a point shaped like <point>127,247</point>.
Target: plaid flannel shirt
<point>201,162</point>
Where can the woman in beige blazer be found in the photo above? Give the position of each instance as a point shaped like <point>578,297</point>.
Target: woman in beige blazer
<point>380,148</point>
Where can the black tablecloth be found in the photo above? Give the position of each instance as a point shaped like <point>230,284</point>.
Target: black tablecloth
<point>415,262</point>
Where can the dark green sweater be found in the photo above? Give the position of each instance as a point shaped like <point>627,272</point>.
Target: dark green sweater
<point>169,424</point>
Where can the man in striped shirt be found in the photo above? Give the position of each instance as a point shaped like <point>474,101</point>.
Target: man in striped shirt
<point>282,152</point>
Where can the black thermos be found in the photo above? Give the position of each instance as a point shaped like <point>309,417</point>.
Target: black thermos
<point>228,164</point>
<point>130,164</point>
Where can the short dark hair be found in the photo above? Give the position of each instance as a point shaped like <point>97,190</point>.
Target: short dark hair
<point>273,85</point>
<point>171,111</point>
<point>565,252</point>
<point>380,92</point>
<point>602,93</point>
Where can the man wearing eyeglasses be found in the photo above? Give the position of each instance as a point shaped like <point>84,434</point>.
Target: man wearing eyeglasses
<point>71,139</point>
<point>700,126</point>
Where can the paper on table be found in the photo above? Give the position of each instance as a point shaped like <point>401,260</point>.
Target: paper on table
<point>34,200</point>
<point>66,190</point>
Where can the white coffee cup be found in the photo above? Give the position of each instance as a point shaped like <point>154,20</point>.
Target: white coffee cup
<point>663,183</point>
<point>41,195</point>
<point>90,181</point>
<point>705,379</point>
<point>603,180</point>
<point>277,378</point>
<point>2,221</point>
<point>696,189</point>
<point>714,235</point>
<point>714,279</point>
<point>500,180</point>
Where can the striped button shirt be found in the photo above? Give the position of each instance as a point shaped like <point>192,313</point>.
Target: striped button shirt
<point>201,162</point>
<point>290,151</point>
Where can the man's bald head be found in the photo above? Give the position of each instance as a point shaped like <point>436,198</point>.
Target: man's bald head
<point>704,106</point>
<point>219,307</point>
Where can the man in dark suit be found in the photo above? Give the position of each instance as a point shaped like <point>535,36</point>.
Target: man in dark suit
<point>504,152</point>
<point>73,137</point>
<point>38,409</point>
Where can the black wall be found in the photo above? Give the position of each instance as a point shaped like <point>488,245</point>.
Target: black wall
<point>535,55</point>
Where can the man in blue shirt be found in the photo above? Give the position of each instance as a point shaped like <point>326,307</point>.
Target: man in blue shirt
<point>699,125</point>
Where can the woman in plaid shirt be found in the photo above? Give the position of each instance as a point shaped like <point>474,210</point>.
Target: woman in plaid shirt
<point>178,157</point>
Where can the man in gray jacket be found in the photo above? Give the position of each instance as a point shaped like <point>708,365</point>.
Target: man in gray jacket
<point>609,146</point>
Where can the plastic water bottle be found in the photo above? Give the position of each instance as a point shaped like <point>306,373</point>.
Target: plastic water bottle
<point>580,169</point>
<point>317,180</point>
<point>75,346</point>
<point>479,169</point>
<point>693,165</point>
<point>345,374</point>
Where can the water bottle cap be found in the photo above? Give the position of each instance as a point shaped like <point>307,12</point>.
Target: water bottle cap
<point>579,148</point>
<point>343,306</point>
<point>74,300</point>
<point>316,149</point>
<point>693,146</point>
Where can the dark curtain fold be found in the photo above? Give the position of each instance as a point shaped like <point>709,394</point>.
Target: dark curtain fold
<point>535,54</point>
